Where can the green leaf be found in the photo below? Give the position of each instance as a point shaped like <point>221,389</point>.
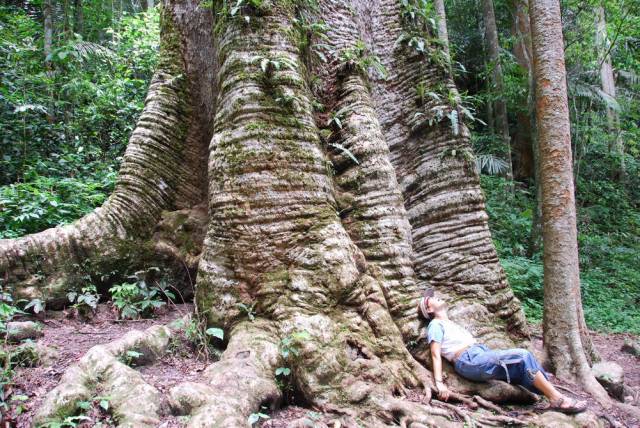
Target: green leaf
<point>286,371</point>
<point>104,404</point>
<point>215,332</point>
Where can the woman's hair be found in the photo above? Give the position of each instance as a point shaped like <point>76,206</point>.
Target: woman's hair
<point>423,304</point>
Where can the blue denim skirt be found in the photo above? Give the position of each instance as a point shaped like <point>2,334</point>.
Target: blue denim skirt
<point>517,366</point>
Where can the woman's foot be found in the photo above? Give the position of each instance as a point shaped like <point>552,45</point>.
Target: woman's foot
<point>567,405</point>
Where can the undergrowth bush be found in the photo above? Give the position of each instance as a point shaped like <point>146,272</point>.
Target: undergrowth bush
<point>609,250</point>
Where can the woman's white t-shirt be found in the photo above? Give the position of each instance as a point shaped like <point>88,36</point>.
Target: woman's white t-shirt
<point>450,335</point>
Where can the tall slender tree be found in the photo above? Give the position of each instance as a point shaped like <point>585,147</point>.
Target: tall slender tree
<point>78,17</point>
<point>443,33</point>
<point>608,83</point>
<point>497,80</point>
<point>564,334</point>
<point>524,137</point>
<point>47,13</point>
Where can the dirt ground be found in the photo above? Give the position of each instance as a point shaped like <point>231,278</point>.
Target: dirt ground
<point>72,338</point>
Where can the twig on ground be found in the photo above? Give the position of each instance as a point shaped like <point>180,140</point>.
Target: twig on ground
<point>502,420</point>
<point>569,390</point>
<point>612,422</point>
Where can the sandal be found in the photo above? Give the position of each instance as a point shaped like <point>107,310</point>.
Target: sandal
<point>567,405</point>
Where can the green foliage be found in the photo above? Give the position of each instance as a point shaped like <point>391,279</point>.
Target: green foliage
<point>255,418</point>
<point>235,9</point>
<point>131,358</point>
<point>358,57</point>
<point>142,296</point>
<point>65,128</point>
<point>608,230</point>
<point>46,201</point>
<point>248,309</point>
<point>215,332</point>
<point>85,301</point>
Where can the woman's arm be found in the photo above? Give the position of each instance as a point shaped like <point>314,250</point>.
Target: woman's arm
<point>443,391</point>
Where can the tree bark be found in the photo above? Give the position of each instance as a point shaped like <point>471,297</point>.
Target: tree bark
<point>78,21</point>
<point>525,129</point>
<point>443,33</point>
<point>66,20</point>
<point>497,81</point>
<point>563,316</point>
<point>47,12</point>
<point>608,84</point>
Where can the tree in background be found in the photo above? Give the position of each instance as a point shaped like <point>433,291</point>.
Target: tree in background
<point>607,81</point>
<point>565,333</point>
<point>497,81</point>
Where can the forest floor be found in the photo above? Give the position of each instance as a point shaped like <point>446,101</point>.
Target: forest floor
<point>71,338</point>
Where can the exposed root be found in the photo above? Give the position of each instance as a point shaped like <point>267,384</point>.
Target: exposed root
<point>237,385</point>
<point>103,371</point>
<point>488,405</point>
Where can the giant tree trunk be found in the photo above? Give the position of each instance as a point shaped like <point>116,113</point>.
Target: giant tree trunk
<point>497,81</point>
<point>333,235</point>
<point>565,335</point>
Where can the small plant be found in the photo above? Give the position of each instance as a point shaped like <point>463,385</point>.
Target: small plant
<point>255,417</point>
<point>137,299</point>
<point>287,102</point>
<point>68,422</point>
<point>418,15</point>
<point>346,151</point>
<point>359,58</point>
<point>289,350</point>
<point>289,347</point>
<point>7,310</point>
<point>36,305</point>
<point>215,332</point>
<point>131,358</point>
<point>237,9</point>
<point>270,65</point>
<point>251,313</point>
<point>337,117</point>
<point>86,301</point>
<point>199,336</point>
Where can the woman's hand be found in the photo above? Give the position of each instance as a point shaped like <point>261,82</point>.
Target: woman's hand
<point>443,391</point>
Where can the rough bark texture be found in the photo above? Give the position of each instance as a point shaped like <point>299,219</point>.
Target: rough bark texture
<point>562,304</point>
<point>334,236</point>
<point>443,199</point>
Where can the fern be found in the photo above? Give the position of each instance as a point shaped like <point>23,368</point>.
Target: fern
<point>491,164</point>
<point>346,151</point>
<point>594,94</point>
<point>455,124</point>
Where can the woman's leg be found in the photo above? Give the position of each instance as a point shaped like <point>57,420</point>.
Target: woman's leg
<point>546,387</point>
